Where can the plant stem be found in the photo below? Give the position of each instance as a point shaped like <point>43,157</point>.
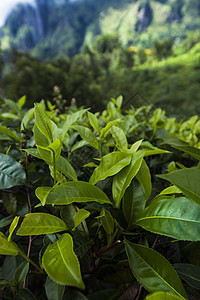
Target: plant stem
<point>54,168</point>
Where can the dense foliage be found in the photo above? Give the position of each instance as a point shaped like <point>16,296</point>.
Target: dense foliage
<point>94,206</point>
<point>163,76</point>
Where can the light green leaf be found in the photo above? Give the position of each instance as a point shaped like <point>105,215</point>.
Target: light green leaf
<point>171,190</point>
<point>22,101</point>
<point>9,116</point>
<point>107,128</point>
<point>43,122</point>
<point>41,223</point>
<point>162,296</point>
<point>171,217</point>
<point>119,101</point>
<point>190,273</point>
<point>34,152</point>
<point>107,221</point>
<point>61,263</point>
<point>78,145</point>
<point>136,145</point>
<point>133,201</point>
<point>71,119</point>
<point>110,165</point>
<point>11,172</point>
<point>144,177</point>
<point>80,216</point>
<point>153,271</point>
<point>12,104</point>
<point>54,291</point>
<point>40,138</point>
<point>42,193</point>
<point>12,227</point>
<point>94,122</point>
<point>8,247</point>
<point>187,180</point>
<point>76,191</point>
<point>87,135</point>
<point>12,134</point>
<point>123,179</point>
<point>56,147</point>
<point>120,137</point>
<point>66,168</point>
<point>26,118</point>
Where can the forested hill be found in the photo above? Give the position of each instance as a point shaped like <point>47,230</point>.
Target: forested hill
<point>54,28</point>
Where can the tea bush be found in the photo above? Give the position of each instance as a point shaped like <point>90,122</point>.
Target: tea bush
<point>84,212</point>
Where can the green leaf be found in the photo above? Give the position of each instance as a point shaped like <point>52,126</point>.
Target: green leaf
<point>133,202</point>
<point>190,273</point>
<point>12,104</point>
<point>66,168</point>
<point>144,177</point>
<point>93,121</point>
<point>25,294</point>
<point>26,118</point>
<point>40,138</point>
<point>107,128</point>
<point>162,296</point>
<point>22,101</point>
<point>42,193</point>
<point>109,165</point>
<point>34,152</point>
<point>71,119</point>
<point>54,291</point>
<point>6,221</point>
<point>123,179</point>
<point>43,122</point>
<point>153,271</point>
<point>11,172</point>
<point>78,145</point>
<point>187,180</point>
<point>8,247</point>
<point>120,137</point>
<point>171,190</point>
<point>21,272</point>
<point>80,216</point>
<point>171,217</point>
<point>87,135</point>
<point>136,145</point>
<point>56,148</point>
<point>12,134</point>
<point>12,227</point>
<point>76,191</point>
<point>180,145</point>
<point>41,223</point>
<point>61,263</point>
<point>107,221</point>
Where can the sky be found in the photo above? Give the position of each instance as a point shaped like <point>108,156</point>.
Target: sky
<point>7,5</point>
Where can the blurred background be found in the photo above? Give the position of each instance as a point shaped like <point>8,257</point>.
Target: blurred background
<point>148,51</point>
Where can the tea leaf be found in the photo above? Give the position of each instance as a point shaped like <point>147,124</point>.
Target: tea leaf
<point>109,165</point>
<point>41,223</point>
<point>153,271</point>
<point>11,172</point>
<point>76,191</point>
<point>171,217</point>
<point>187,180</point>
<point>61,263</point>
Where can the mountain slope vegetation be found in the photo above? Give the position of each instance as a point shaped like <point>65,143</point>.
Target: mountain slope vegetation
<point>58,28</point>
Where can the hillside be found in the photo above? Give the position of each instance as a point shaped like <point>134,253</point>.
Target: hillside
<point>59,27</point>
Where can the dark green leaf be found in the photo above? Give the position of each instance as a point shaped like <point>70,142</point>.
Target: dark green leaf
<point>178,218</point>
<point>190,273</point>
<point>153,271</point>
<point>11,172</point>
<point>54,291</point>
<point>187,180</point>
